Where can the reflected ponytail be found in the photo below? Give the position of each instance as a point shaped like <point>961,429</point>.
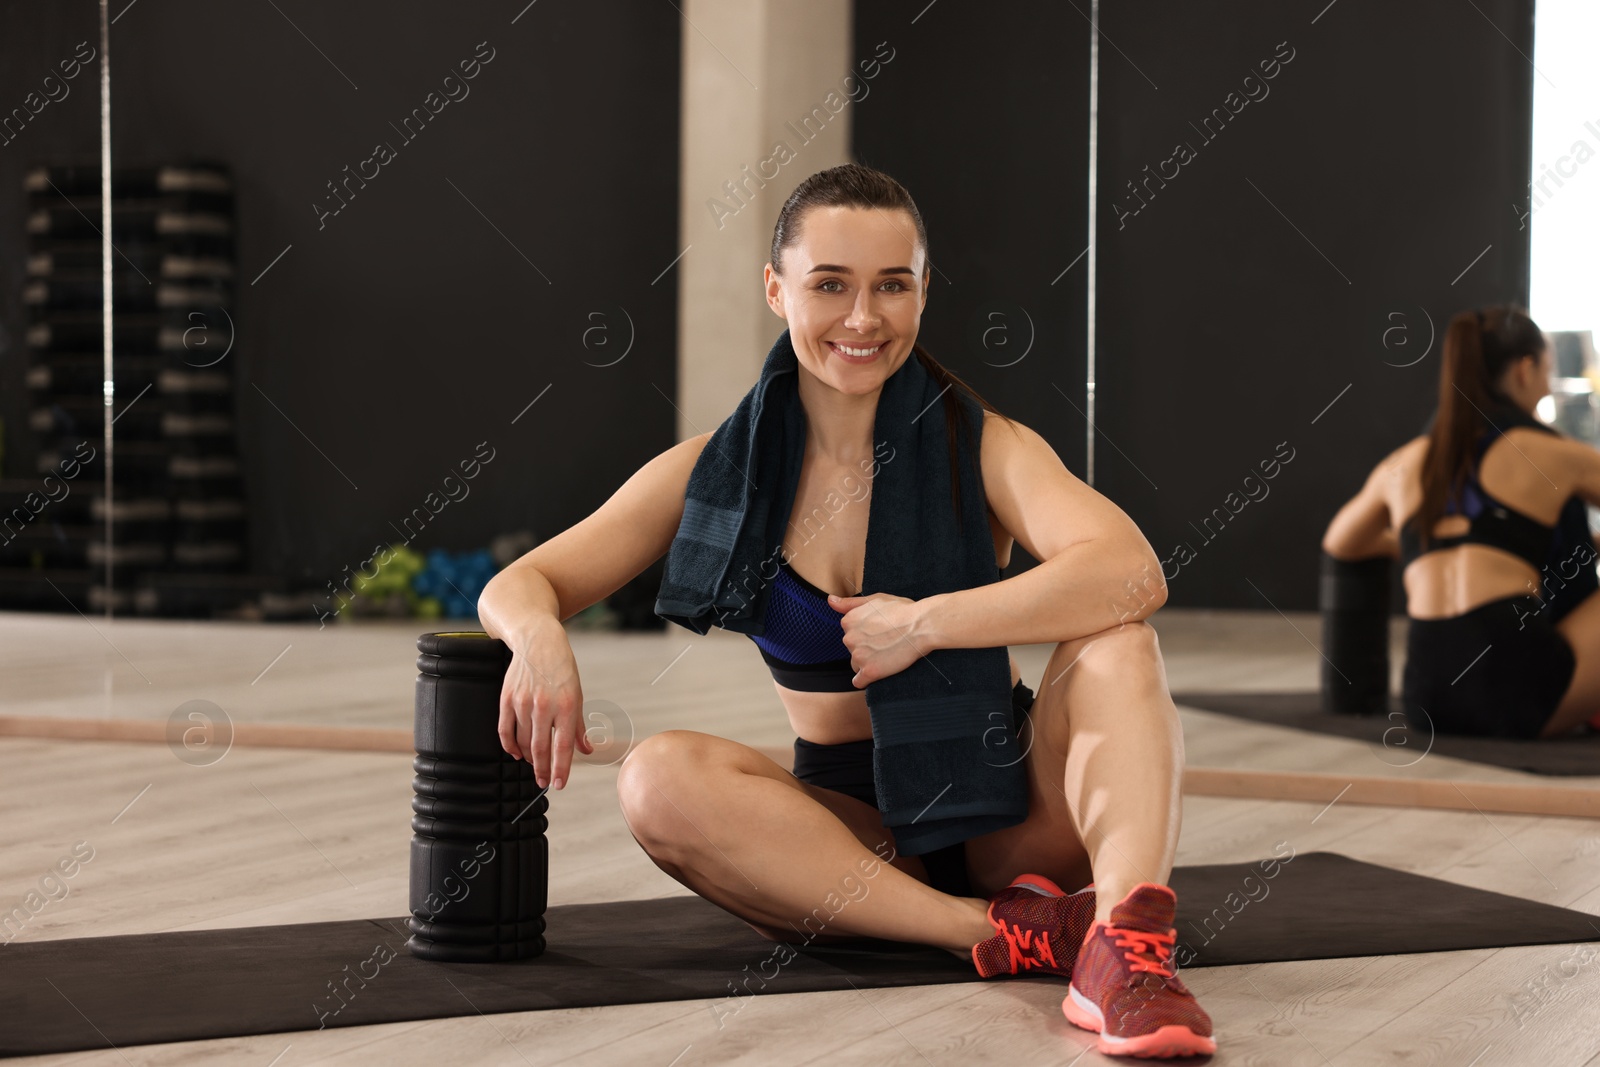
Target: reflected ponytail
<point>1478,347</point>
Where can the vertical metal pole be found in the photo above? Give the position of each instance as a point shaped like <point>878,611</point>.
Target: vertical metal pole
<point>1094,206</point>
<point>105,271</point>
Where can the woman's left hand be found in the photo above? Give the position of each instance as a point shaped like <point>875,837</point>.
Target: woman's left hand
<point>882,632</point>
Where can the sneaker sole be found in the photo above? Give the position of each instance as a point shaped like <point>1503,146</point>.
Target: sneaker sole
<point>1165,1043</point>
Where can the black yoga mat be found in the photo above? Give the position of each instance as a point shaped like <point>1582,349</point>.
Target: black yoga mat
<point>1400,745</point>
<point>86,993</point>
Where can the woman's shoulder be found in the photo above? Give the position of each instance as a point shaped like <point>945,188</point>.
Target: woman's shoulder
<point>1539,446</point>
<point>1410,452</point>
<point>1549,449</point>
<point>1003,428</point>
<point>1005,441</point>
<point>1544,434</point>
<point>1403,460</point>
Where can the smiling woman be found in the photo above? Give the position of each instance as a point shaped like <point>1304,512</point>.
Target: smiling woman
<point>886,692</point>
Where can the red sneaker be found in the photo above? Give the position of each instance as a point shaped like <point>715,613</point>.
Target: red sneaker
<point>1039,928</point>
<point>1124,987</point>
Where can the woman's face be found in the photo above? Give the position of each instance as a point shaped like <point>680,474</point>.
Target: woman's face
<point>854,281</point>
<point>1527,380</point>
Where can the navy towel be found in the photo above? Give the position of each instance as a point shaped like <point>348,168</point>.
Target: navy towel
<point>943,760</point>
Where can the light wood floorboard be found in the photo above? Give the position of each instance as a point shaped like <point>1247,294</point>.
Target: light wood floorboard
<point>278,836</point>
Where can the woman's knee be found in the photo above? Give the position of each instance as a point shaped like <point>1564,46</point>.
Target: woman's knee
<point>653,767</point>
<point>1117,669</point>
<point>650,781</point>
<point>1116,651</point>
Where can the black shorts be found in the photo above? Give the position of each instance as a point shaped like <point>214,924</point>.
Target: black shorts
<point>1499,670</point>
<point>847,768</point>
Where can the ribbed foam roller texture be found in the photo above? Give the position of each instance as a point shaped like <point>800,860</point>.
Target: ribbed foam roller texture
<point>479,860</point>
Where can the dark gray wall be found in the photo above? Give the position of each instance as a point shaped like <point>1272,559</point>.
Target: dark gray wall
<point>984,118</point>
<point>1299,252</point>
<point>1395,141</point>
<point>408,329</point>
<point>414,324</point>
<point>34,39</point>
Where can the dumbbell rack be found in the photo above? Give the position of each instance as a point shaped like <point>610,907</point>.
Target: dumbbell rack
<point>178,505</point>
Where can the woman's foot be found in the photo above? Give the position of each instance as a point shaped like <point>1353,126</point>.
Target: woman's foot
<point>1124,987</point>
<point>1038,928</point>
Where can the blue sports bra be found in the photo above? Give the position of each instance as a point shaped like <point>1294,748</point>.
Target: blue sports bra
<point>804,640</point>
<point>1490,523</point>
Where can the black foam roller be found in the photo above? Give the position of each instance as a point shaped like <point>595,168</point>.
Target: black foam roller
<point>1354,600</point>
<point>480,865</point>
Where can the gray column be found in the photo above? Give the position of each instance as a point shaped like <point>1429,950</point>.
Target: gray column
<point>762,109</point>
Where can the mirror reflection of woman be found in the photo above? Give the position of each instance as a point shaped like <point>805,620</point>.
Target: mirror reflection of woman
<point>1496,645</point>
<point>849,273</point>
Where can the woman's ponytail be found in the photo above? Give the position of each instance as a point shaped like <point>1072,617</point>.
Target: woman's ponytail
<point>1478,347</point>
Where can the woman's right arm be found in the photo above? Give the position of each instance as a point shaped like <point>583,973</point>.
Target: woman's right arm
<point>1362,528</point>
<point>541,702</point>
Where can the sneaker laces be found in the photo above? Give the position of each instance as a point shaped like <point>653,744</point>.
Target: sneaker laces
<point>1147,950</point>
<point>1019,941</point>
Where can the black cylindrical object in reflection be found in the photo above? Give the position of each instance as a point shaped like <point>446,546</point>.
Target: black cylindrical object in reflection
<point>1354,599</point>
<point>480,866</point>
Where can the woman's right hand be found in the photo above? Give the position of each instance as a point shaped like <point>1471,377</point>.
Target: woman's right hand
<point>541,702</point>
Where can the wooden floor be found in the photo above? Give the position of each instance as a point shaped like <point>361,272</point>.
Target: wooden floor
<point>269,835</point>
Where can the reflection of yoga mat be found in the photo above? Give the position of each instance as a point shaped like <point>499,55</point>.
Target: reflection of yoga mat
<point>86,993</point>
<point>1402,746</point>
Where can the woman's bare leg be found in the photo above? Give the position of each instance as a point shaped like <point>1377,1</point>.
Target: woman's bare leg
<point>1581,628</point>
<point>744,833</point>
<point>1105,768</point>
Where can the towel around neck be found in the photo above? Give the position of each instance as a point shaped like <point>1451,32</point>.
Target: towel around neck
<point>946,762</point>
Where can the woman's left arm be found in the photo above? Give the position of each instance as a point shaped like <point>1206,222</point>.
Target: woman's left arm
<point>1096,568</point>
